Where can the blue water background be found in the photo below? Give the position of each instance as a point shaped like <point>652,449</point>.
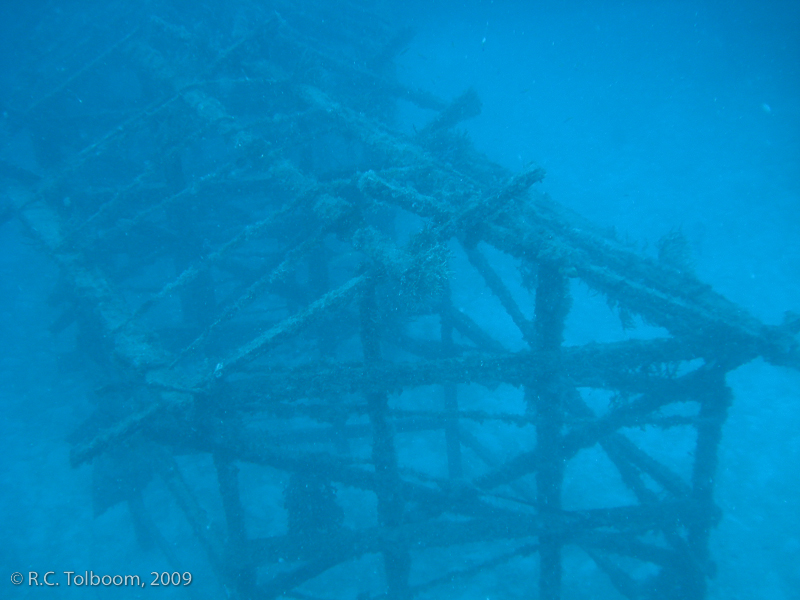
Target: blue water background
<point>650,117</point>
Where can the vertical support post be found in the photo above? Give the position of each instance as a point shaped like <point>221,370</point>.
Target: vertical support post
<point>198,302</point>
<point>451,427</point>
<point>195,515</point>
<point>319,282</point>
<point>228,479</point>
<point>716,398</point>
<point>687,577</point>
<point>397,562</point>
<point>544,395</point>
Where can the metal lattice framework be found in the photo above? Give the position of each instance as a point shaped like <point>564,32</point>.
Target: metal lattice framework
<point>230,253</point>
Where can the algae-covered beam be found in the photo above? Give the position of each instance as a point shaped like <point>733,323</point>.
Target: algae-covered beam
<point>450,393</point>
<point>544,393</point>
<point>715,401</point>
<point>204,530</point>
<point>251,294</point>
<point>591,366</point>
<point>617,366</point>
<point>132,345</point>
<point>466,326</point>
<point>499,288</point>
<point>625,584</point>
<point>464,107</point>
<point>388,489</point>
<point>290,326</point>
<point>677,301</point>
<point>236,541</point>
<point>336,548</point>
<point>637,457</point>
<point>687,388</point>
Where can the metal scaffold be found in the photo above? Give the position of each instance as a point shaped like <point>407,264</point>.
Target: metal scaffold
<point>259,265</point>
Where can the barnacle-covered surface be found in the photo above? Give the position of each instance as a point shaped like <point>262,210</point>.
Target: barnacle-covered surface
<point>261,265</point>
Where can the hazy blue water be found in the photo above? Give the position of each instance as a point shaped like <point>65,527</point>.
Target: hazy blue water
<point>649,116</point>
<point>653,117</point>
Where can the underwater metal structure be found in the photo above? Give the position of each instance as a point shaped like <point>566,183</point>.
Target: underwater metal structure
<point>260,266</point>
